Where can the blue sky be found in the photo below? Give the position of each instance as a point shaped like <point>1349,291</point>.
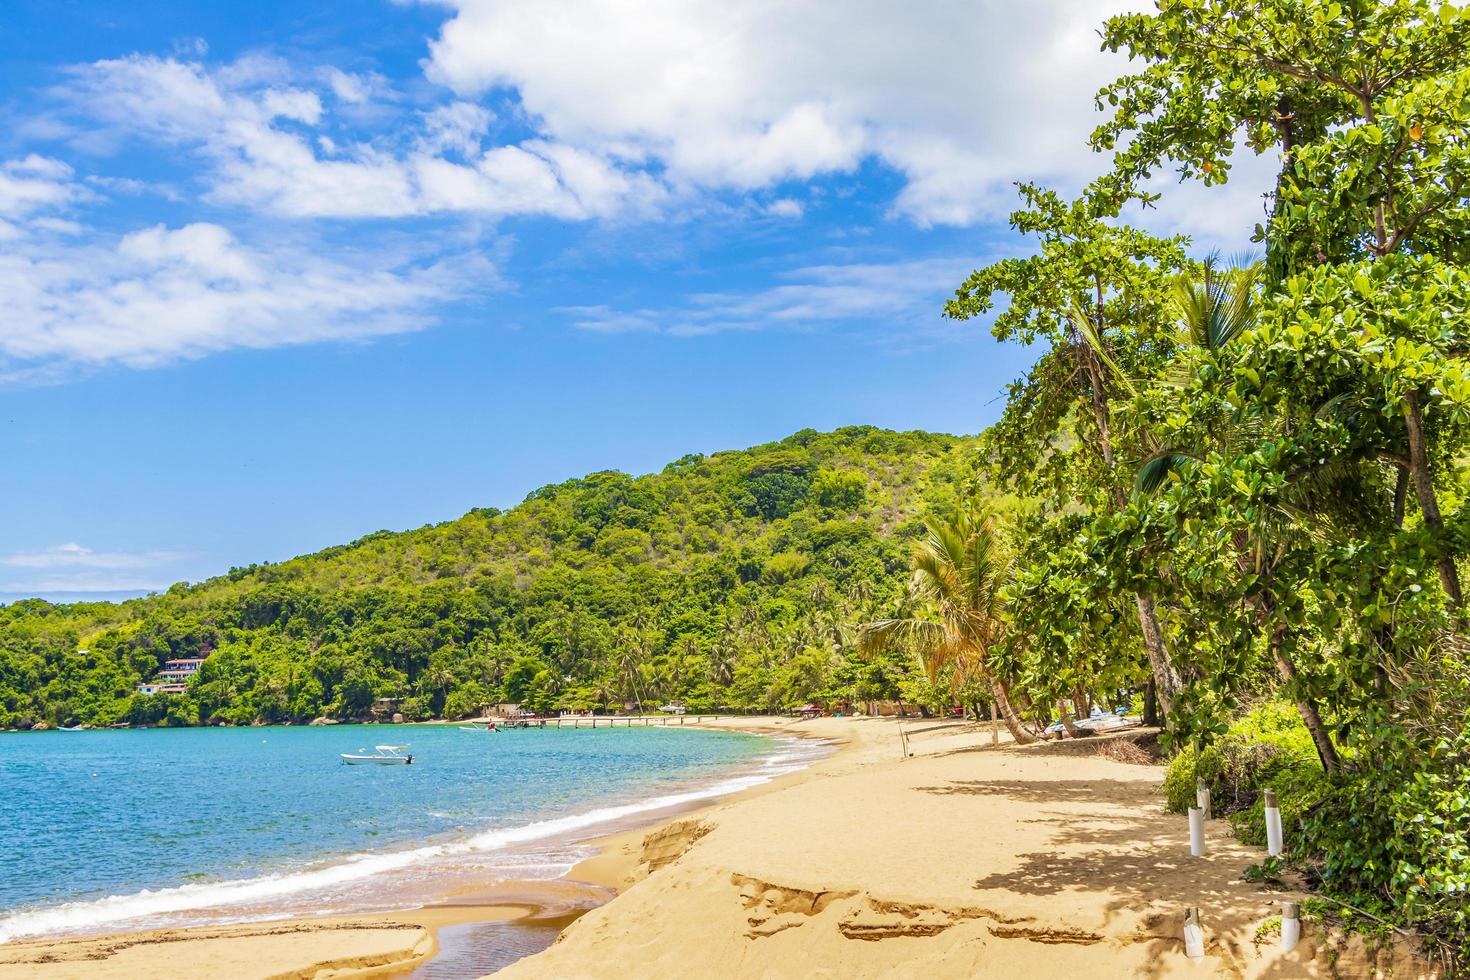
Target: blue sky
<point>275,279</point>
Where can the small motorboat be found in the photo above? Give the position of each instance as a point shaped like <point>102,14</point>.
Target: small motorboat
<point>73,728</point>
<point>475,726</point>
<point>383,755</point>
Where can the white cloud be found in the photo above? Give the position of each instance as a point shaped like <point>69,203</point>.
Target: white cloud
<point>962,99</point>
<point>899,298</point>
<point>353,89</point>
<point>636,104</point>
<point>303,107</point>
<point>73,568</point>
<point>195,46</point>
<point>458,126</point>
<point>1216,218</point>
<point>76,298</point>
<point>73,555</point>
<point>33,183</point>
<point>234,117</point>
<point>785,208</point>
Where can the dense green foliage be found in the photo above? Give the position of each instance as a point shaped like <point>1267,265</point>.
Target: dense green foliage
<point>1265,748</point>
<point>723,581</point>
<point>1259,475</point>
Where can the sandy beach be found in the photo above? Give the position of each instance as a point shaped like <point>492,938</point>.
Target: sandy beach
<point>960,860</point>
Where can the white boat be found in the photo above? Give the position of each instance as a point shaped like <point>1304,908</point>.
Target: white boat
<point>477,727</point>
<point>383,755</point>
<point>673,709</point>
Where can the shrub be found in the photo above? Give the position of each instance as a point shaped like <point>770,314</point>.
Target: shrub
<point>1390,834</point>
<point>1267,748</point>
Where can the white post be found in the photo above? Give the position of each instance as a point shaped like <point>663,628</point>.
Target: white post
<point>1291,925</point>
<point>1273,825</point>
<point>1194,936</point>
<point>1196,831</point>
<point>1202,797</point>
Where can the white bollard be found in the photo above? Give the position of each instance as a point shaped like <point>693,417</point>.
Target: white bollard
<point>1196,831</point>
<point>1202,797</point>
<point>1273,825</point>
<point>1194,936</point>
<point>1291,925</point>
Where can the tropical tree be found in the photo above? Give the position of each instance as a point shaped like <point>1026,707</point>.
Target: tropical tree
<point>1097,295</point>
<point>1214,305</point>
<point>959,571</point>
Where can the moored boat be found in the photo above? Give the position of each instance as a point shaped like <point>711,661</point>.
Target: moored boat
<point>383,755</point>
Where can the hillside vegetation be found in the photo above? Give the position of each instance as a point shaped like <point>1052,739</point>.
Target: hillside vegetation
<point>722,581</point>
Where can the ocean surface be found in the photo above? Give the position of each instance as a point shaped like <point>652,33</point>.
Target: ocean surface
<point>113,830</point>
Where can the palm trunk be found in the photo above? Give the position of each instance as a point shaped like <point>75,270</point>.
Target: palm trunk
<point>1166,678</point>
<point>1161,665</point>
<point>1400,491</point>
<point>1018,730</point>
<point>1067,725</point>
<point>1326,751</point>
<point>1449,576</point>
<point>1307,708</point>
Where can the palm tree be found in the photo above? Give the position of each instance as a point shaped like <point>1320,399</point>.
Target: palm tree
<point>959,569</point>
<point>436,681</point>
<point>723,653</point>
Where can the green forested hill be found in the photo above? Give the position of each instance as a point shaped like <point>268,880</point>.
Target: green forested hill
<point>723,581</point>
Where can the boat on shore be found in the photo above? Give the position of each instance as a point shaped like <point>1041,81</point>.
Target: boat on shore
<point>383,755</point>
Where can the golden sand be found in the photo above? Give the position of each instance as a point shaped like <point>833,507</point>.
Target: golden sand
<point>961,861</point>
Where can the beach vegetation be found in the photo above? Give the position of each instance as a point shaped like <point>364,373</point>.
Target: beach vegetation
<point>1265,458</point>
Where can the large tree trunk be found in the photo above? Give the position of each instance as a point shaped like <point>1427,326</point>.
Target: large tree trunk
<point>1018,730</point>
<point>1449,576</point>
<point>1166,678</point>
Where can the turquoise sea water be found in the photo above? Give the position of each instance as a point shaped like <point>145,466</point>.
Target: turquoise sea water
<point>136,829</point>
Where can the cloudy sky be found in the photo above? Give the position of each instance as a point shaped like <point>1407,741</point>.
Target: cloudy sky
<point>273,280</point>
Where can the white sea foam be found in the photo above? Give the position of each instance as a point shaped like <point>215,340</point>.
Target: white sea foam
<point>117,911</point>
